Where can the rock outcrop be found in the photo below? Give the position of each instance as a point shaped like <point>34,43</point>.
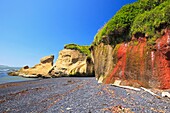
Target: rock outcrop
<point>136,65</point>
<point>40,70</point>
<point>72,62</point>
<point>134,46</point>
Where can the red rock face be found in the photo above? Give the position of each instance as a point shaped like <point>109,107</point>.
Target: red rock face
<point>148,66</point>
<point>162,60</point>
<point>120,66</point>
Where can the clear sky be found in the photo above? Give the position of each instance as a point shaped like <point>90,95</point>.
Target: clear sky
<point>32,29</point>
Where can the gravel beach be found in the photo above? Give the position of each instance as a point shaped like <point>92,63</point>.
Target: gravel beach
<point>76,95</point>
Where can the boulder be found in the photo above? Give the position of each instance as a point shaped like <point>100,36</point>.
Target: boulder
<point>47,59</point>
<point>26,67</point>
<point>15,73</point>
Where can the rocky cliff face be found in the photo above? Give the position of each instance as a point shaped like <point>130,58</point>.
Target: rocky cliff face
<point>135,62</point>
<point>40,70</point>
<point>134,46</point>
<point>72,62</point>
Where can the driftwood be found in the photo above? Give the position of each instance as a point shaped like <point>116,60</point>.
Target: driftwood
<point>166,94</point>
<point>149,91</point>
<point>126,87</point>
<point>117,84</point>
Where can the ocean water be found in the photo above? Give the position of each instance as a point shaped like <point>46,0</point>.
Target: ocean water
<point>5,78</point>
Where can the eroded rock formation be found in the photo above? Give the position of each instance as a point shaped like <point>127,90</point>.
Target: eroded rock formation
<point>39,70</point>
<point>72,62</point>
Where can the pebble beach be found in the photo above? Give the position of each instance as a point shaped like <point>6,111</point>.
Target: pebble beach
<point>76,95</point>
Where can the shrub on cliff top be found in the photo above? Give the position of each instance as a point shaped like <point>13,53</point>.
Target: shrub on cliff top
<point>151,22</point>
<point>82,49</point>
<point>126,21</point>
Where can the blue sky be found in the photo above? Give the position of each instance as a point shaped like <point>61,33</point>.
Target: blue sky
<point>32,29</point>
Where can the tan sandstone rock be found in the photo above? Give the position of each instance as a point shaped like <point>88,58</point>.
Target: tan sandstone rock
<point>72,62</point>
<point>39,70</point>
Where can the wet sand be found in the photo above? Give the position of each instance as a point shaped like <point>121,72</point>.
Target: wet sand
<point>76,95</point>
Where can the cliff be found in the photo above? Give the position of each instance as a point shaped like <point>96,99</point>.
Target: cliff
<point>134,46</point>
<point>74,60</point>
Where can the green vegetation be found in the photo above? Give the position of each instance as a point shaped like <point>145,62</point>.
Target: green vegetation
<point>139,18</point>
<point>152,22</point>
<point>115,53</point>
<point>151,41</point>
<point>135,42</point>
<point>82,49</point>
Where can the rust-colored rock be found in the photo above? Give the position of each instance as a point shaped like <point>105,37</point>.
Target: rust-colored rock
<point>135,63</point>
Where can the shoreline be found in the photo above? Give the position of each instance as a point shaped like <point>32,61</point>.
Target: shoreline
<point>9,79</point>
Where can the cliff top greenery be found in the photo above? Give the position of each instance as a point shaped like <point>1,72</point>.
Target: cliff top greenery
<point>144,17</point>
<point>82,49</point>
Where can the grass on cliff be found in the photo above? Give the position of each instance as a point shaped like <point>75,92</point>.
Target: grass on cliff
<point>141,17</point>
<point>82,49</point>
